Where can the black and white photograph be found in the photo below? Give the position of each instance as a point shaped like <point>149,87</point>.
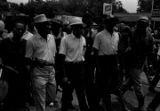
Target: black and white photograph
<point>79,55</point>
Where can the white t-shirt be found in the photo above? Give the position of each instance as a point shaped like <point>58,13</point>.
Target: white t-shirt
<point>104,43</point>
<point>73,48</point>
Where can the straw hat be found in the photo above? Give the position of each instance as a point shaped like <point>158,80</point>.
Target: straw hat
<point>41,18</point>
<point>144,19</point>
<point>76,21</point>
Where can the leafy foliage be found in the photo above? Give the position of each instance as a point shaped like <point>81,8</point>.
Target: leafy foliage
<point>146,5</point>
<point>71,7</point>
<point>3,6</point>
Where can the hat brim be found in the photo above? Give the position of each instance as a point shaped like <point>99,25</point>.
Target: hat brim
<point>76,24</point>
<point>44,21</point>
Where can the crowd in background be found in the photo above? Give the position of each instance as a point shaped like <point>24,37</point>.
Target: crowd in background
<point>40,56</point>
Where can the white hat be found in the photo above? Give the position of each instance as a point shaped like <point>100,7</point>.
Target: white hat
<point>40,18</point>
<point>144,18</point>
<point>2,25</point>
<point>76,21</point>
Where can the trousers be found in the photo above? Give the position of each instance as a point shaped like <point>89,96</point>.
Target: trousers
<point>41,85</point>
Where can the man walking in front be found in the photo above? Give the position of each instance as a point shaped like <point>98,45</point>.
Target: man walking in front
<point>42,48</point>
<point>72,49</point>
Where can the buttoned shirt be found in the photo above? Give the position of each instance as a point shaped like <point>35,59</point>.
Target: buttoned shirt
<point>40,48</point>
<point>73,48</point>
<point>104,43</point>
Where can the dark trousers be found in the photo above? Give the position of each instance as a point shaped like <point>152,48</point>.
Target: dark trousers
<point>17,91</point>
<point>156,78</point>
<point>135,81</point>
<point>106,79</point>
<point>90,82</point>
<point>155,81</point>
<point>155,102</point>
<point>75,74</point>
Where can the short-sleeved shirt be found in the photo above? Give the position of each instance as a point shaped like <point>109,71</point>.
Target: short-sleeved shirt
<point>73,48</point>
<point>104,43</point>
<point>38,47</point>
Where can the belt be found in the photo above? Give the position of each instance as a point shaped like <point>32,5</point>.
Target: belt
<point>75,62</point>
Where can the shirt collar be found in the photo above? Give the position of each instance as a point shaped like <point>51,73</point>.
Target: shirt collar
<point>106,32</point>
<point>49,36</point>
<point>74,37</point>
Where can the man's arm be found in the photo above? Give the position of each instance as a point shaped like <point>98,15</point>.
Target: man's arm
<point>29,53</point>
<point>62,54</point>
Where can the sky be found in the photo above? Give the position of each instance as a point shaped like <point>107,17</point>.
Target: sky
<point>129,5</point>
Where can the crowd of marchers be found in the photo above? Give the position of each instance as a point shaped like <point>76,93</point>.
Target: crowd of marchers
<point>40,56</point>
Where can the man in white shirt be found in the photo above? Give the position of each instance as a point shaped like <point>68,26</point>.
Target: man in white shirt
<point>72,49</point>
<point>43,48</point>
<point>105,50</point>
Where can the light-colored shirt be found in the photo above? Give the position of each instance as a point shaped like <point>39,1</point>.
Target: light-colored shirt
<point>73,48</point>
<point>38,47</point>
<point>104,43</point>
<point>27,35</point>
<point>0,73</point>
<point>115,40</point>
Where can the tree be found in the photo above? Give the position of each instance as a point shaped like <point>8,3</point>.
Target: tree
<point>95,7</point>
<point>49,8</point>
<point>118,7</point>
<point>146,5</point>
<point>72,7</point>
<point>3,6</point>
<point>156,4</point>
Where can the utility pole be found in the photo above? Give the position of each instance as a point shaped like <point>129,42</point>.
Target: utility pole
<point>152,6</point>
<point>154,23</point>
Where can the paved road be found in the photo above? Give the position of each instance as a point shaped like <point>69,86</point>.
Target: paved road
<point>129,96</point>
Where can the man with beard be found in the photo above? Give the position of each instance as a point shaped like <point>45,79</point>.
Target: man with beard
<point>72,50</point>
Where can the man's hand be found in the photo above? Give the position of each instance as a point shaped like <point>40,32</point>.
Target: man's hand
<point>65,80</point>
<point>128,49</point>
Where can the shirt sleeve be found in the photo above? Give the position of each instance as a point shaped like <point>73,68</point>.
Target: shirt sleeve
<point>29,49</point>
<point>55,47</point>
<point>63,46</point>
<point>84,42</point>
<point>54,43</point>
<point>115,40</point>
<point>96,42</point>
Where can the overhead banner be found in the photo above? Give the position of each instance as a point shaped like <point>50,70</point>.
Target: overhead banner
<point>107,9</point>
